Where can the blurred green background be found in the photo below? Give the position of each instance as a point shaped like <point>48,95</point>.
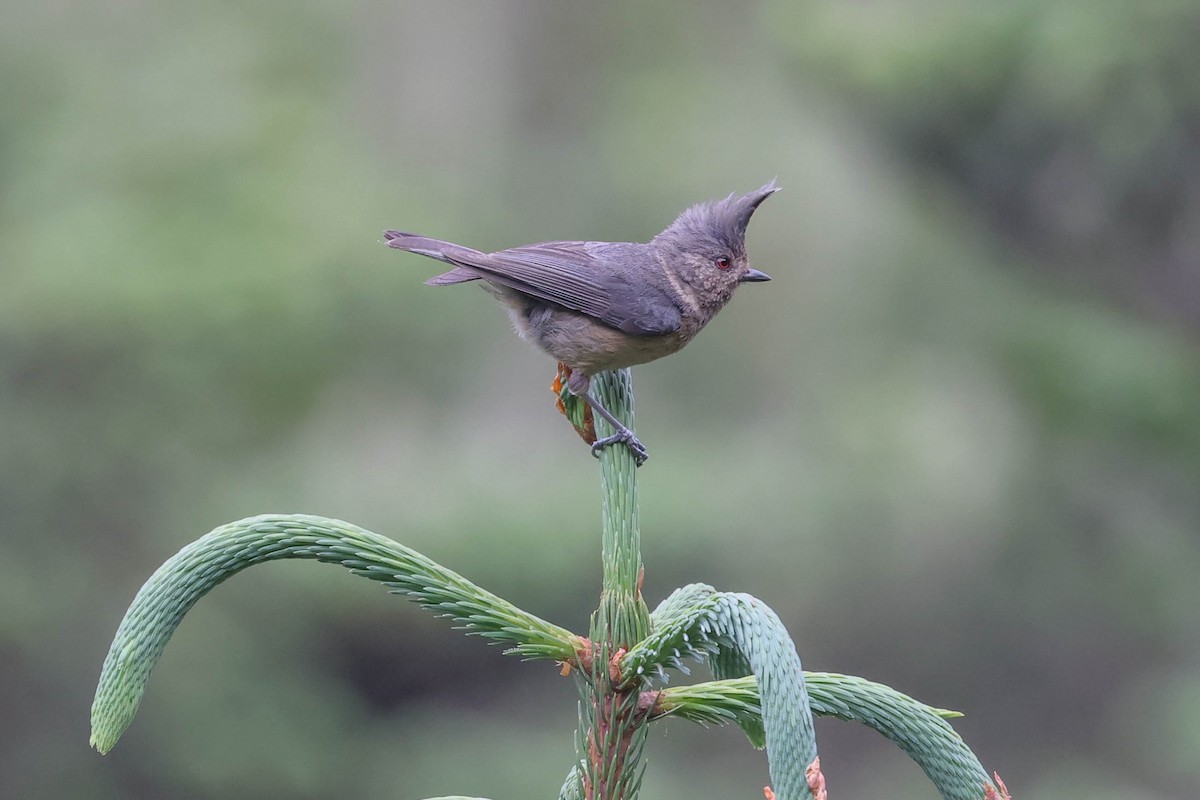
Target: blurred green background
<point>955,443</point>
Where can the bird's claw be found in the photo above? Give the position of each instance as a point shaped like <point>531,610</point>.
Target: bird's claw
<point>640,454</point>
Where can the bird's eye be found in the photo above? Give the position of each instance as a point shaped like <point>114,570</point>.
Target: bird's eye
<point>723,262</point>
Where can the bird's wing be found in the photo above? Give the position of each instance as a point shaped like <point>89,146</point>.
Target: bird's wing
<point>567,273</point>
<point>573,275</point>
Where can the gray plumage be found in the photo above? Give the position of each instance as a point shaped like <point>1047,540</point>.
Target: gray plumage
<point>598,306</point>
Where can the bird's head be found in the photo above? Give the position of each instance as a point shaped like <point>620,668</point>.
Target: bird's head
<point>706,246</point>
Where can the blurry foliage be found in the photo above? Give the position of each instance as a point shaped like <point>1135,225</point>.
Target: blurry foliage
<point>955,443</point>
<point>1074,129</point>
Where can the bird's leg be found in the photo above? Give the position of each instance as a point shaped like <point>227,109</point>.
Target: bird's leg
<point>580,386</point>
<point>623,434</point>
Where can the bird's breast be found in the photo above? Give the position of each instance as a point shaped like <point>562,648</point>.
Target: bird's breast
<point>587,344</point>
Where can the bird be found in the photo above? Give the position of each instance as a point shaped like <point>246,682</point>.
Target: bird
<point>597,306</point>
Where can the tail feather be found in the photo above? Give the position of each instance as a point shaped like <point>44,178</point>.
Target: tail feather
<point>456,275</point>
<point>447,252</point>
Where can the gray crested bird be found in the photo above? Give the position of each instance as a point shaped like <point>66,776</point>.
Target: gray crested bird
<point>599,306</point>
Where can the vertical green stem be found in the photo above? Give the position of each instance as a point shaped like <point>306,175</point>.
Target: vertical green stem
<point>614,726</point>
<point>623,614</point>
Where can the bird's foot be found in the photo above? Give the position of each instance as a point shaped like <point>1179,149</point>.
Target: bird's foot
<point>625,436</point>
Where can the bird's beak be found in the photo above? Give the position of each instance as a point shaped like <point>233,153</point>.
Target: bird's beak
<point>754,276</point>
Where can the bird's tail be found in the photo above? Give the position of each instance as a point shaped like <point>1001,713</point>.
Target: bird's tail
<point>448,252</point>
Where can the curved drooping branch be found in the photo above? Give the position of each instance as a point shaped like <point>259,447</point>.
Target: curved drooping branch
<point>191,573</point>
<point>690,623</point>
<point>741,636</point>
